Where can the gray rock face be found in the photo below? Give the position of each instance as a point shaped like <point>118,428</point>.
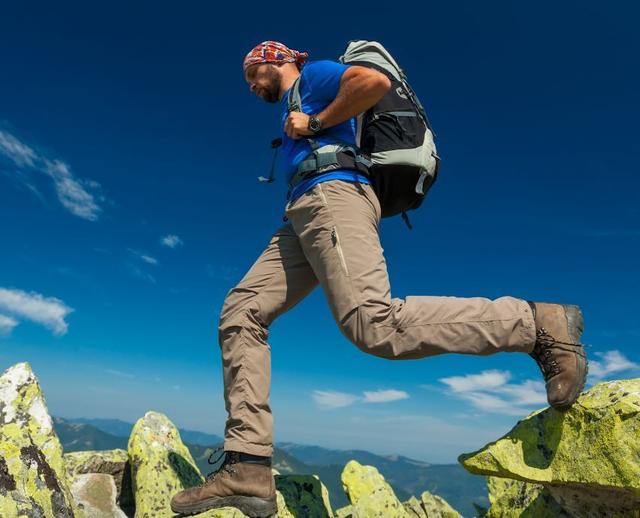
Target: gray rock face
<point>108,462</point>
<point>96,493</point>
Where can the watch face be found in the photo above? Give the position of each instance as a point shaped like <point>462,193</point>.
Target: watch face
<point>314,124</point>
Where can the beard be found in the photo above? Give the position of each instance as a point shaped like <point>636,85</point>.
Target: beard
<point>272,91</point>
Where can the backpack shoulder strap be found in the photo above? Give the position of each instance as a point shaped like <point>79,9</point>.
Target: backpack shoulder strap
<point>294,103</point>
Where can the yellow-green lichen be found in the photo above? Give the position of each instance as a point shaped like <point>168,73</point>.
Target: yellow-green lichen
<point>510,497</point>
<point>161,466</point>
<point>429,506</point>
<point>370,495</point>
<point>32,474</point>
<point>595,444</point>
<point>344,512</point>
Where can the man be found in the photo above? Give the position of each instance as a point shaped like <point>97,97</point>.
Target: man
<point>331,238</point>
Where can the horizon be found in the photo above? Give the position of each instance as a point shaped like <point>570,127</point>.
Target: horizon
<point>75,420</point>
<point>130,148</point>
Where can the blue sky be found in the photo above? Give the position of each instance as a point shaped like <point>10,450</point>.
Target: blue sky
<point>129,206</point>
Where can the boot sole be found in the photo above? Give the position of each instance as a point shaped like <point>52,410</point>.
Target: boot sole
<point>575,323</point>
<point>250,505</point>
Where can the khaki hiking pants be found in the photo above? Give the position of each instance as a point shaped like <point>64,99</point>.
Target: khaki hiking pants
<point>333,238</point>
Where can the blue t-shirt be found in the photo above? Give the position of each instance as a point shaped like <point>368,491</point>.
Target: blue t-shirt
<point>319,86</point>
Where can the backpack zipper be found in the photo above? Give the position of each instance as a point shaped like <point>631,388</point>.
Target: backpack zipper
<point>381,115</point>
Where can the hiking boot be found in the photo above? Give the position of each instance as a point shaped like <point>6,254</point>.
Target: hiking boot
<point>558,352</point>
<point>242,481</point>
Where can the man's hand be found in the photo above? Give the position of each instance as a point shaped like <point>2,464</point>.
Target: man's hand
<point>297,125</point>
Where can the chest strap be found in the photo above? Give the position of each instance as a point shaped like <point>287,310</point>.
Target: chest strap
<point>328,158</point>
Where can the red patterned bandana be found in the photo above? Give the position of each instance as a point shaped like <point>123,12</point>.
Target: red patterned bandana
<point>274,52</point>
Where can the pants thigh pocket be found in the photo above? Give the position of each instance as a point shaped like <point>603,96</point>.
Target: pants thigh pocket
<point>321,241</point>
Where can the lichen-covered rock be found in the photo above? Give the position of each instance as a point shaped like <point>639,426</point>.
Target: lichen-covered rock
<point>97,493</point>
<point>510,497</point>
<point>303,495</point>
<point>369,493</point>
<point>413,507</point>
<point>343,512</point>
<point>586,502</point>
<point>161,465</point>
<point>588,454</point>
<point>430,506</point>
<point>108,462</point>
<point>32,474</point>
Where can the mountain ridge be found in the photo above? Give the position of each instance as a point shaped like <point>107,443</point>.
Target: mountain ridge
<point>405,475</point>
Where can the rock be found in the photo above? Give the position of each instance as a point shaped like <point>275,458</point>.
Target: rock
<point>344,512</point>
<point>510,497</point>
<point>108,462</point>
<point>32,474</point>
<point>413,507</point>
<point>430,506</point>
<point>161,465</point>
<point>302,495</point>
<point>97,493</point>
<point>370,495</point>
<point>588,458</point>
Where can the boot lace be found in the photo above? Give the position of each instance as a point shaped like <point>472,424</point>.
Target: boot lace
<point>543,352</point>
<point>230,458</point>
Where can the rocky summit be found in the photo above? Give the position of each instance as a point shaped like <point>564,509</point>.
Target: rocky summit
<point>582,463</point>
<point>38,480</point>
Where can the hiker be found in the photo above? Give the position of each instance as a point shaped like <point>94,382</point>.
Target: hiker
<point>330,237</point>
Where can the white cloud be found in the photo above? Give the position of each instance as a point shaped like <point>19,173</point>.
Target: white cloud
<point>148,259</point>
<point>144,257</point>
<point>490,391</point>
<point>331,399</point>
<point>47,311</point>
<point>335,399</point>
<point>76,195</point>
<point>73,193</point>
<point>527,393</point>
<point>20,154</point>
<point>486,380</point>
<point>171,240</point>
<point>7,324</point>
<point>611,362</point>
<point>384,396</point>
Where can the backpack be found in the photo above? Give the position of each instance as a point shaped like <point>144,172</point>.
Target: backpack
<point>395,144</point>
<point>396,135</point>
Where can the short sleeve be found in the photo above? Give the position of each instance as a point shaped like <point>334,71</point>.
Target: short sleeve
<point>323,79</point>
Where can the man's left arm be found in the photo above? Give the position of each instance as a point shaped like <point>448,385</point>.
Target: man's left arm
<point>360,88</point>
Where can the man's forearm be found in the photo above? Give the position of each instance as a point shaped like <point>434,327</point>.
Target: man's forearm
<point>359,91</point>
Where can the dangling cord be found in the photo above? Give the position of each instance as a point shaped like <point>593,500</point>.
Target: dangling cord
<point>275,144</point>
<point>406,220</point>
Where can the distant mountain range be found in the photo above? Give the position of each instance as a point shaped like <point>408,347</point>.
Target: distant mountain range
<point>406,476</point>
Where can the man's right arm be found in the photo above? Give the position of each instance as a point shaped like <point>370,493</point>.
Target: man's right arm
<point>360,89</point>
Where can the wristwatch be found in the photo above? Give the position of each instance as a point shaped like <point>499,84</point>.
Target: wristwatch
<point>315,124</point>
